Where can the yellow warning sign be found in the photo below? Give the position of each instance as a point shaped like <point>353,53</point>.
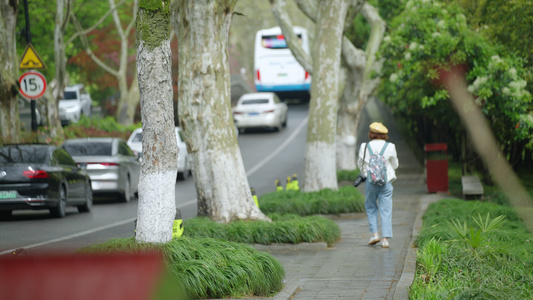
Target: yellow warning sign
<point>30,59</point>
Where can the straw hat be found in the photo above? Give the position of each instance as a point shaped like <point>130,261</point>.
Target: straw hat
<point>378,127</point>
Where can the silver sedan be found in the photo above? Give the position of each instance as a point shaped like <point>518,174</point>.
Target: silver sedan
<point>111,164</point>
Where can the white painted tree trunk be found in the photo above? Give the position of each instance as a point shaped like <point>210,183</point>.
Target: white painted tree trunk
<point>205,114</point>
<point>320,167</point>
<point>9,114</point>
<point>157,204</point>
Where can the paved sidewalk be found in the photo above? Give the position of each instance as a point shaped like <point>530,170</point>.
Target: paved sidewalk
<point>351,269</point>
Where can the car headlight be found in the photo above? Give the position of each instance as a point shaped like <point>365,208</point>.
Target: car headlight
<point>72,109</point>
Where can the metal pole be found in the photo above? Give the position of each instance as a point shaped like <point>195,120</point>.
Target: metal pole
<point>28,41</point>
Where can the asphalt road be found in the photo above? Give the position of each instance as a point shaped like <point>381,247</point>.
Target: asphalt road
<point>267,156</point>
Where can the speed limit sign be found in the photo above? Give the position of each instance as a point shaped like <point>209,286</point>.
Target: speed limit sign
<point>32,85</point>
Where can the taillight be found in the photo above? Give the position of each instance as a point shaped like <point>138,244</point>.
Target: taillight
<point>268,111</point>
<point>258,75</point>
<point>238,113</point>
<point>34,174</point>
<point>104,164</point>
<point>306,75</point>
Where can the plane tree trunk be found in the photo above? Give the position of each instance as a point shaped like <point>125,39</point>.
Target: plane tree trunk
<point>202,27</point>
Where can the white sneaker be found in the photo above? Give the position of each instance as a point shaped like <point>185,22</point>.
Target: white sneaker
<point>385,244</point>
<point>373,240</point>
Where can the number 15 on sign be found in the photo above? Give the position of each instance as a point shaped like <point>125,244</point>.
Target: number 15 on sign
<point>32,85</point>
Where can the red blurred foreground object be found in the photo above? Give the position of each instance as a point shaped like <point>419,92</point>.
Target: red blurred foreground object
<point>119,276</point>
<point>436,161</point>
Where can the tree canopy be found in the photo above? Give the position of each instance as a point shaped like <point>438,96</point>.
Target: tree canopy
<point>429,35</point>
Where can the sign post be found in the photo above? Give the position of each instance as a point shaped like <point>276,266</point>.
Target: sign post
<point>31,60</point>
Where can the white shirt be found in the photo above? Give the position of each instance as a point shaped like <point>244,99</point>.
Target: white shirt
<point>389,154</point>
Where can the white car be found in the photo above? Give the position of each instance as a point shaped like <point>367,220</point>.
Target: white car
<point>184,160</point>
<point>76,102</point>
<point>260,110</point>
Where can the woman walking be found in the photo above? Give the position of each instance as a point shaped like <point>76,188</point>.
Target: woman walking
<point>378,159</point>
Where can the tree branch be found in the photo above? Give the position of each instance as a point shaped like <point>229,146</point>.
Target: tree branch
<point>131,25</point>
<point>84,32</point>
<point>279,9</point>
<point>85,44</point>
<point>309,8</point>
<point>376,36</point>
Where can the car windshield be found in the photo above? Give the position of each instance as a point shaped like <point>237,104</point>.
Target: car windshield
<point>69,96</point>
<point>88,148</point>
<point>137,138</point>
<point>23,155</point>
<point>254,101</point>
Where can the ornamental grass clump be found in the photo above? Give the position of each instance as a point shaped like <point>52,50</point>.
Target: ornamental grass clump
<point>346,200</point>
<point>286,228</point>
<point>474,250</point>
<point>207,268</point>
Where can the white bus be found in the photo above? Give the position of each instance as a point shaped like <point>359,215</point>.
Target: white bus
<point>276,69</point>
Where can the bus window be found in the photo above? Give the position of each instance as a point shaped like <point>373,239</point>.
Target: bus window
<point>276,41</point>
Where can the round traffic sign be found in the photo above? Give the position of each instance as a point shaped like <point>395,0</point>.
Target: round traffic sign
<point>32,85</point>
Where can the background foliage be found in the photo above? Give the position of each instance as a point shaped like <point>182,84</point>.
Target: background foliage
<point>429,35</point>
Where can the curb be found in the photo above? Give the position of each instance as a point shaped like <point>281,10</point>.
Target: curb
<point>409,267</point>
<point>300,246</point>
<point>289,290</point>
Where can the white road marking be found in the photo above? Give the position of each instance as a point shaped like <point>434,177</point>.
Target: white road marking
<point>130,220</point>
<point>278,150</point>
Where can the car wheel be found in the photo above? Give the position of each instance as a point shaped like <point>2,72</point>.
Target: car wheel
<point>76,118</point>
<point>183,175</point>
<point>5,214</point>
<point>60,210</point>
<point>126,195</point>
<point>279,126</point>
<point>284,122</point>
<point>88,199</point>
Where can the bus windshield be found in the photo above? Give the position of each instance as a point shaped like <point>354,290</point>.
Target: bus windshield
<point>276,41</point>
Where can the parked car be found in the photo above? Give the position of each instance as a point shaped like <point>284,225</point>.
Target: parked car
<point>260,110</point>
<point>39,176</point>
<point>76,102</point>
<point>184,159</point>
<point>111,164</point>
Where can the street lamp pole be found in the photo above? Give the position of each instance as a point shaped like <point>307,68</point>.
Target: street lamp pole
<point>28,41</point>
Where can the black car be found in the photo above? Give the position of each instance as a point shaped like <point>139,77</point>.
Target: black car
<point>40,176</point>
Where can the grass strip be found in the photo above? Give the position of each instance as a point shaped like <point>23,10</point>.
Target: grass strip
<point>208,268</point>
<point>346,200</point>
<point>460,258</point>
<point>285,228</point>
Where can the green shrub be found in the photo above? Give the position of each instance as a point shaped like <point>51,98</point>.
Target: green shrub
<point>98,127</point>
<point>347,175</point>
<point>473,250</point>
<point>346,200</point>
<point>286,228</point>
<point>208,268</point>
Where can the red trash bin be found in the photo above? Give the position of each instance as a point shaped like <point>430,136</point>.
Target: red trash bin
<point>436,161</point>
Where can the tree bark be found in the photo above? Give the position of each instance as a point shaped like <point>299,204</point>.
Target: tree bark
<point>202,27</point>
<point>320,166</point>
<point>358,89</point>
<point>9,113</point>
<point>157,204</point>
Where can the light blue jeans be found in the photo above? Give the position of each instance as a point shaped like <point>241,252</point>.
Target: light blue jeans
<point>379,198</point>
